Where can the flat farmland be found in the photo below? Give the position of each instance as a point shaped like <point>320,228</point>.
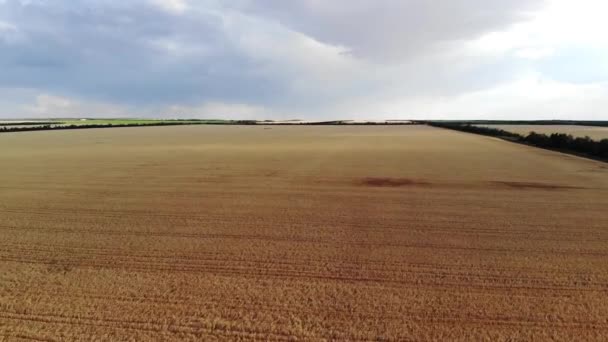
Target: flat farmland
<point>298,233</point>
<point>593,132</point>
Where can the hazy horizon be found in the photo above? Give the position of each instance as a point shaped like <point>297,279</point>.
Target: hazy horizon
<point>185,118</point>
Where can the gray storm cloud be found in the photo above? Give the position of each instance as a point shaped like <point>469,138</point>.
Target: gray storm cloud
<point>394,30</point>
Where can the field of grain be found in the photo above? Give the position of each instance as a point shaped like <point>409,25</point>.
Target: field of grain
<point>596,133</point>
<point>309,233</point>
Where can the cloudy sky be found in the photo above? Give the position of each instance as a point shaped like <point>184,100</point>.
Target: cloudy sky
<point>306,59</point>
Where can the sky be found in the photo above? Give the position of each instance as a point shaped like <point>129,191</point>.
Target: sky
<point>304,59</point>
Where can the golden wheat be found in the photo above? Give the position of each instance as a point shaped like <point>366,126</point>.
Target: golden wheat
<point>309,233</point>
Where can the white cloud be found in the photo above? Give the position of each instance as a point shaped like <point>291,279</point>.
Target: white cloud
<point>46,104</point>
<point>527,97</point>
<point>218,110</point>
<point>283,53</point>
<point>530,97</point>
<point>9,33</point>
<point>53,106</point>
<point>173,6</point>
<point>561,24</point>
<point>43,105</point>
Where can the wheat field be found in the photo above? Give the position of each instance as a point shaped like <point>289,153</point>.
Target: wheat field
<point>298,233</point>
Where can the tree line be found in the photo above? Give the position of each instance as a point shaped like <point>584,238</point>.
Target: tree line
<point>55,126</point>
<point>6,129</point>
<point>528,122</point>
<point>556,141</point>
<point>30,123</point>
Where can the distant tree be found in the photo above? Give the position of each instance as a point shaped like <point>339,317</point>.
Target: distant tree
<point>556,141</point>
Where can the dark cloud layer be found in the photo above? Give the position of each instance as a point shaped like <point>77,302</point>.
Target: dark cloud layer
<point>127,53</point>
<point>394,29</point>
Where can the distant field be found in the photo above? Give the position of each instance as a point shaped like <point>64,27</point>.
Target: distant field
<point>596,133</point>
<point>375,233</point>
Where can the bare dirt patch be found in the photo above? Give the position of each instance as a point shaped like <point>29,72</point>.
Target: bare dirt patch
<point>535,185</point>
<point>391,182</point>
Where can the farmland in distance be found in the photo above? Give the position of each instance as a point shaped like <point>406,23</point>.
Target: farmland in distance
<point>308,233</point>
